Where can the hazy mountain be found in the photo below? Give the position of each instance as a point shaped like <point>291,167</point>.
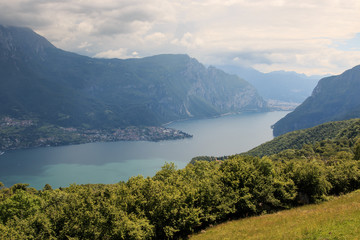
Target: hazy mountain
<point>40,81</point>
<point>334,98</point>
<point>279,86</point>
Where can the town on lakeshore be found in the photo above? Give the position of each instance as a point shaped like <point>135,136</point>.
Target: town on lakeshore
<point>20,134</point>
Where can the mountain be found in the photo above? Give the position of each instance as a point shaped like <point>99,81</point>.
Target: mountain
<point>42,82</point>
<point>280,86</point>
<point>334,98</point>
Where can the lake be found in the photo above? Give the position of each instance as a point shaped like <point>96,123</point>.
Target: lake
<point>112,162</point>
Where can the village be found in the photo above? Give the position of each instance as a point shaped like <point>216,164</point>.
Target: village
<point>22,134</point>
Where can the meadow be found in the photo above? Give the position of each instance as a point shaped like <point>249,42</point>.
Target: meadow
<point>338,218</point>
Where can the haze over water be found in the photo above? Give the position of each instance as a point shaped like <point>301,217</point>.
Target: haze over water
<point>117,161</point>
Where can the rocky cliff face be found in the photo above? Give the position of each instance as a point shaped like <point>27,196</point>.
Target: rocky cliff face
<point>66,89</point>
<point>334,98</point>
<point>237,95</point>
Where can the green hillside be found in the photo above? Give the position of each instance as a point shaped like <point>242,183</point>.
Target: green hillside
<point>296,139</point>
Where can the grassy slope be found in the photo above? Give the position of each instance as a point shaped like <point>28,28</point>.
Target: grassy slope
<point>338,218</point>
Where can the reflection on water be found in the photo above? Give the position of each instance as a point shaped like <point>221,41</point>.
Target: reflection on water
<point>117,161</point>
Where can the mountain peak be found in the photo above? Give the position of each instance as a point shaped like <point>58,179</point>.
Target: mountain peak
<point>45,83</point>
<point>334,98</point>
<point>12,41</point>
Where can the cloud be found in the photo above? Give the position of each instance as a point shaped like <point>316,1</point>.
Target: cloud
<point>120,53</point>
<point>188,40</point>
<point>84,45</point>
<point>310,36</point>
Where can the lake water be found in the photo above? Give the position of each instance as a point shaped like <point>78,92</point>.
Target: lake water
<point>117,161</point>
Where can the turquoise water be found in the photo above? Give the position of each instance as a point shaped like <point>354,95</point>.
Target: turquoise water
<point>117,161</point>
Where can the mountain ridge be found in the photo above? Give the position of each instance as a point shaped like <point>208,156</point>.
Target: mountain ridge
<point>43,82</point>
<point>280,86</point>
<point>334,98</point>
<point>69,98</point>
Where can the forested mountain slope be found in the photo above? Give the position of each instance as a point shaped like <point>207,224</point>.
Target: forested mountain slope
<point>42,82</point>
<point>297,139</point>
<point>334,98</point>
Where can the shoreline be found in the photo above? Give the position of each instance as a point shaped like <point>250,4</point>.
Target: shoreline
<point>220,115</point>
<point>26,134</point>
<point>58,136</point>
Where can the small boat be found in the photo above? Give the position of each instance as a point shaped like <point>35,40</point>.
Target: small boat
<point>1,153</point>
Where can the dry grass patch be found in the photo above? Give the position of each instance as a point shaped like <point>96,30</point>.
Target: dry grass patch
<point>338,218</point>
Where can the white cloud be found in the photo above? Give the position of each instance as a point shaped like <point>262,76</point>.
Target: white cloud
<point>156,38</point>
<point>120,53</point>
<point>85,45</point>
<point>303,36</point>
<point>188,40</point>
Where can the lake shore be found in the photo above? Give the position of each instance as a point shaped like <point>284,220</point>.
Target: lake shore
<point>110,162</point>
<point>19,136</point>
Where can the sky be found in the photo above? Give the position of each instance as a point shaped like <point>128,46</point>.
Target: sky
<point>314,37</point>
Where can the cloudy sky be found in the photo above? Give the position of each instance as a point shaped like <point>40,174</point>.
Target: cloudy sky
<point>307,36</point>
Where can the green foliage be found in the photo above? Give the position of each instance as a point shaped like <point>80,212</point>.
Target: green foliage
<point>207,158</point>
<point>174,202</point>
<point>357,150</point>
<point>344,176</point>
<point>169,205</point>
<point>253,185</point>
<point>309,178</point>
<point>297,139</point>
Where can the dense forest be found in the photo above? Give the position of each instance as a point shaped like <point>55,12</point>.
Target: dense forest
<point>177,202</point>
<point>296,139</point>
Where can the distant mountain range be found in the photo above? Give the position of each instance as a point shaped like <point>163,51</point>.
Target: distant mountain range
<point>334,98</point>
<point>278,86</point>
<point>39,81</point>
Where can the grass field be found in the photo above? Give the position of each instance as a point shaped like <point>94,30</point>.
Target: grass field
<point>338,218</point>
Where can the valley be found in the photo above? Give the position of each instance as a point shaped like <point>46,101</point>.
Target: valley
<point>85,148</point>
